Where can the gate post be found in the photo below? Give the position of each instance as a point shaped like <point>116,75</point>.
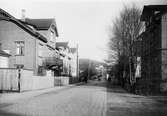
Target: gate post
<point>19,67</point>
<point>19,75</point>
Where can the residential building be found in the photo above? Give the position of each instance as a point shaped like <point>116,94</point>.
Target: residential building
<point>69,57</point>
<point>73,53</point>
<point>29,42</point>
<point>65,57</point>
<point>74,64</point>
<point>46,51</point>
<point>154,49</point>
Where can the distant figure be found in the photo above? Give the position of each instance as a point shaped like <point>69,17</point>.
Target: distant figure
<point>107,76</point>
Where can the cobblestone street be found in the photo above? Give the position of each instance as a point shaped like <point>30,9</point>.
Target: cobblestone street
<point>92,99</point>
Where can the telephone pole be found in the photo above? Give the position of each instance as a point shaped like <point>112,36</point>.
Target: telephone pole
<point>77,63</point>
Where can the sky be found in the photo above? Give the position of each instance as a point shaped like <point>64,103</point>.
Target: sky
<point>82,22</point>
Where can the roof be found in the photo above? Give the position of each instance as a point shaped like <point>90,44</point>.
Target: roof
<point>42,24</point>
<point>6,16</point>
<point>62,44</point>
<point>149,10</point>
<point>2,53</point>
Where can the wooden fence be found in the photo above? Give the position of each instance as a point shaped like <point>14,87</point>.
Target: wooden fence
<point>12,79</point>
<point>9,79</point>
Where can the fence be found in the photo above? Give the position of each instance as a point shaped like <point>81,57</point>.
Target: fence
<point>9,79</point>
<point>12,79</point>
<point>61,80</point>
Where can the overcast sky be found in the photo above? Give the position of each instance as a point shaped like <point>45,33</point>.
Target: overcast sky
<point>78,21</point>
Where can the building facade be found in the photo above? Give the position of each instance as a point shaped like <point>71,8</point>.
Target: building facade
<point>69,57</point>
<point>154,49</point>
<point>46,51</point>
<point>28,43</point>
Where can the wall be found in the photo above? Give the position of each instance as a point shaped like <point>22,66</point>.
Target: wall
<point>9,79</point>
<point>151,59</point>
<point>42,52</point>
<point>30,82</point>
<point>46,50</point>
<point>4,62</point>
<point>74,65</point>
<point>47,34</point>
<point>42,82</point>
<point>9,33</point>
<point>26,80</point>
<point>61,80</point>
<point>164,53</point>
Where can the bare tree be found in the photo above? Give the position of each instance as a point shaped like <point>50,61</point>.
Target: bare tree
<point>124,33</point>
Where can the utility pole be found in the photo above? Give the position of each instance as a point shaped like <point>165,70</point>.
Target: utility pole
<point>77,63</point>
<point>89,63</point>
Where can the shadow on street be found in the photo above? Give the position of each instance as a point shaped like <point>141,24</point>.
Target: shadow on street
<point>6,113</point>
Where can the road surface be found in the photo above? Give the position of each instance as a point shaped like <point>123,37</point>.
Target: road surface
<point>92,99</point>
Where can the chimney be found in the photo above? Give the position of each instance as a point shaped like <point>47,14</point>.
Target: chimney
<point>23,11</point>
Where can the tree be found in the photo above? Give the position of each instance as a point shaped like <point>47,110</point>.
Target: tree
<point>123,34</point>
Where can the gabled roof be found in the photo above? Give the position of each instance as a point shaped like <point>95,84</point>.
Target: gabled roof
<point>42,24</point>
<point>2,53</point>
<point>148,10</point>
<point>6,16</point>
<point>61,44</point>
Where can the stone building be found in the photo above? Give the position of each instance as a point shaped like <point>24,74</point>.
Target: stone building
<point>154,49</point>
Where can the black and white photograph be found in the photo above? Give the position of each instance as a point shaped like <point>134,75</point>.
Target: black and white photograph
<point>83,58</point>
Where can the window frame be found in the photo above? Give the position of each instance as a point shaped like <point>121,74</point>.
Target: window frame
<point>20,48</point>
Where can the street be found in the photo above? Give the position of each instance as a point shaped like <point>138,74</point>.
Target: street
<point>91,99</point>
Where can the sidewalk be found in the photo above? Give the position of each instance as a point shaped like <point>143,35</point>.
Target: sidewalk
<point>14,97</point>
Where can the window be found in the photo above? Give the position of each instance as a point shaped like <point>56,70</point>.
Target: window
<point>19,48</point>
<point>52,36</point>
<point>40,70</point>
